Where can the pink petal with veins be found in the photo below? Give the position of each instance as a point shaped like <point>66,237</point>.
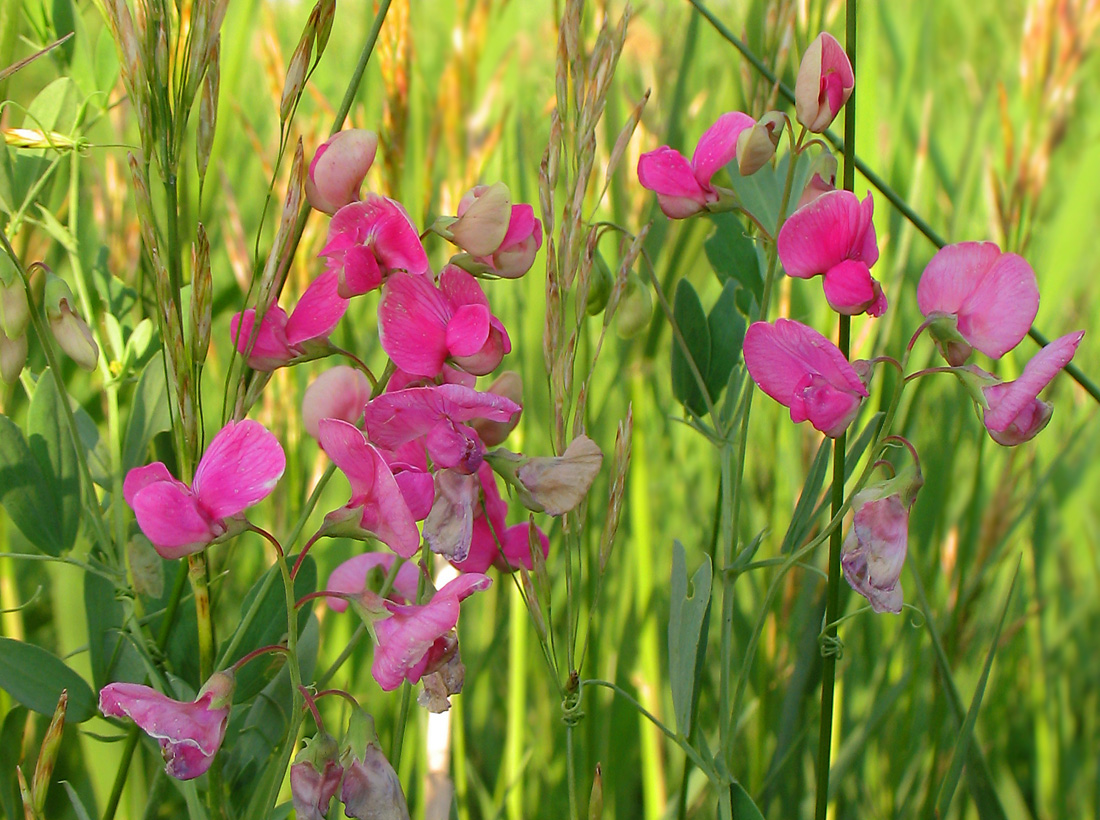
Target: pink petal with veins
<point>241,466</point>
<point>318,311</point>
<point>718,145</point>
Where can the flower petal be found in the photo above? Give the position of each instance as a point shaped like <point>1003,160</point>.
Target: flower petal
<point>1014,397</point>
<point>241,466</point>
<point>318,311</point>
<point>998,312</point>
<point>412,324</point>
<point>718,145</point>
<point>351,577</point>
<point>779,355</point>
<point>171,518</point>
<point>822,234</point>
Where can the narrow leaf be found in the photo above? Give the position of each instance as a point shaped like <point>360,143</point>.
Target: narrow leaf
<point>24,490</point>
<point>689,317</point>
<point>685,626</point>
<point>727,333</point>
<point>35,678</point>
<point>52,446</point>
<point>148,413</point>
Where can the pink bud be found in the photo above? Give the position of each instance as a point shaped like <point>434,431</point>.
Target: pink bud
<point>825,82</point>
<point>338,393</point>
<point>13,355</point>
<point>338,169</point>
<point>521,242</point>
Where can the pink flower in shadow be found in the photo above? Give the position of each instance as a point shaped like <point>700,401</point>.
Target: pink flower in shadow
<point>239,468</point>
<point>804,371</point>
<point>979,298</point>
<point>189,733</point>
<point>413,637</point>
<point>833,236</point>
<point>421,326</point>
<point>684,188</point>
<point>369,240</point>
<point>281,339</point>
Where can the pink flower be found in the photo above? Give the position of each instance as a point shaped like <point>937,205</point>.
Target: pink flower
<point>824,83</point>
<point>489,528</point>
<point>415,636</point>
<point>874,551</point>
<point>338,393</point>
<point>189,733</point>
<point>483,219</point>
<point>421,326</point>
<point>516,252</point>
<point>834,236</point>
<point>438,414</point>
<point>802,370</point>
<point>338,169</point>
<point>1013,413</point>
<point>239,468</point>
<point>315,777</point>
<point>683,189</point>
<point>283,340</point>
<point>981,298</point>
<point>377,506</point>
<point>369,240</point>
<point>353,578</point>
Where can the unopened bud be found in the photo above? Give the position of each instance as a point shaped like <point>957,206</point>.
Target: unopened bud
<point>296,71</point>
<point>208,109</point>
<point>339,168</point>
<point>13,355</point>
<point>756,146</point>
<point>315,776</point>
<point>202,287</point>
<point>14,310</point>
<point>33,138</point>
<point>326,13</point>
<point>510,385</point>
<point>221,686</point>
<point>825,82</point>
<point>595,799</point>
<point>47,755</point>
<point>483,218</point>
<point>70,331</point>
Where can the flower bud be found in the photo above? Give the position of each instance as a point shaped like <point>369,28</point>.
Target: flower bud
<point>338,169</point>
<point>516,252</point>
<point>14,310</point>
<point>510,385</point>
<point>825,82</point>
<point>483,218</point>
<point>69,330</point>
<point>756,146</point>
<point>13,355</point>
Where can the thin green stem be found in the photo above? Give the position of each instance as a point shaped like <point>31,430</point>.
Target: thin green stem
<point>196,573</point>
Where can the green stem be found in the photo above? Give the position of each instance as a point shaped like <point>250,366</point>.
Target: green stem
<point>832,599</point>
<point>196,573</point>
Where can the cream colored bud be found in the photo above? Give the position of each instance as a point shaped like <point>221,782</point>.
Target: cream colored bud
<point>483,217</point>
<point>756,146</point>
<point>74,337</point>
<point>557,485</point>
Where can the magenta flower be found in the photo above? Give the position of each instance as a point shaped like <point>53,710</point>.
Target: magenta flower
<point>683,189</point>
<point>338,393</point>
<point>979,299</point>
<point>283,340</point>
<point>1013,412</point>
<point>415,636</point>
<point>240,468</point>
<point>802,370</point>
<point>824,83</point>
<point>369,240</point>
<point>438,414</point>
<point>422,326</point>
<point>189,733</point>
<point>377,506</point>
<point>834,236</point>
<point>516,252</point>
<point>338,169</point>
<point>352,578</point>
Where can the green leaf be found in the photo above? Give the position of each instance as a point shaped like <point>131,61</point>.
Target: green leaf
<point>52,445</point>
<point>56,107</point>
<point>762,192</point>
<point>743,807</point>
<point>269,627</point>
<point>732,254</point>
<point>685,630</point>
<point>148,413</point>
<point>966,731</point>
<point>727,334</point>
<point>688,314</point>
<point>35,678</point>
<point>806,510</point>
<point>24,490</point>
<point>11,749</point>
<point>112,656</point>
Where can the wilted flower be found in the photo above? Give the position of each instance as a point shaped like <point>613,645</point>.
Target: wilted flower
<point>239,468</point>
<point>371,790</point>
<point>70,331</point>
<point>449,526</point>
<point>802,370</point>
<point>338,169</point>
<point>834,236</point>
<point>189,733</point>
<point>369,240</point>
<point>421,326</point>
<point>824,83</point>
<point>492,542</point>
<point>1013,412</point>
<point>683,189</point>
<point>282,340</point>
<point>978,298</point>
<point>551,484</point>
<point>315,777</point>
